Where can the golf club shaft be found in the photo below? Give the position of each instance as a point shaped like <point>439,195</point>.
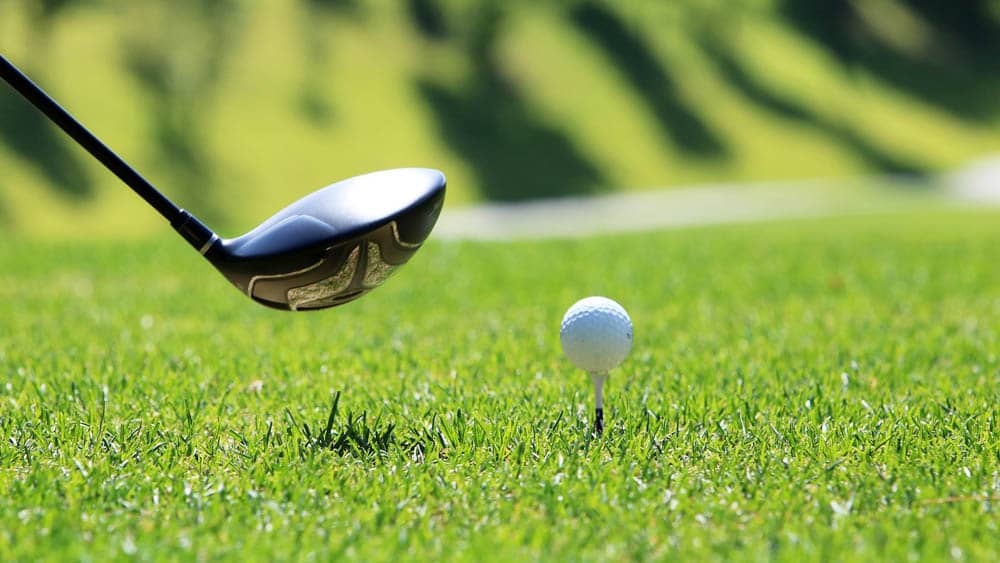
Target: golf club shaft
<point>187,225</point>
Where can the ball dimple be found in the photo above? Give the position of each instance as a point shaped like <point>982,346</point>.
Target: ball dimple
<point>596,334</point>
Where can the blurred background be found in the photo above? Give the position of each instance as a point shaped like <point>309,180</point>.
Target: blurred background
<point>235,108</point>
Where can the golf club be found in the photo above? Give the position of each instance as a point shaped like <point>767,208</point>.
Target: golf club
<point>324,250</point>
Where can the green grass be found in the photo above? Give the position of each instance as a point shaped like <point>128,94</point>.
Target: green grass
<point>803,113</point>
<point>796,391</point>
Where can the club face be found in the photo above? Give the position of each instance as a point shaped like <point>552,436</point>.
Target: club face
<point>337,244</point>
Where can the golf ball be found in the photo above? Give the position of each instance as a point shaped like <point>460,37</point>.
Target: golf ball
<point>596,334</point>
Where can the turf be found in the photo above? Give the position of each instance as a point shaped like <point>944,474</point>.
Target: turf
<point>796,391</point>
<point>259,103</point>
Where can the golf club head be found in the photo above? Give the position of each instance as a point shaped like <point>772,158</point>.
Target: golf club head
<point>336,244</point>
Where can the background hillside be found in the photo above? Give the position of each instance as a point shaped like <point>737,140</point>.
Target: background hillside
<point>235,108</point>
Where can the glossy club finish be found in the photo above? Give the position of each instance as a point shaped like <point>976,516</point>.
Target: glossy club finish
<point>336,244</point>
<point>326,249</point>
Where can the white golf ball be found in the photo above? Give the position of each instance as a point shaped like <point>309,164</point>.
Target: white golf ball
<point>596,334</point>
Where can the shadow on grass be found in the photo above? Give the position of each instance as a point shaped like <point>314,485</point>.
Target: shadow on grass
<point>975,24</point>
<point>785,107</point>
<point>313,101</point>
<point>348,7</point>
<point>6,219</point>
<point>30,135</point>
<point>515,154</point>
<point>947,71</point>
<point>25,131</point>
<point>177,131</point>
<point>428,18</point>
<point>180,80</point>
<point>637,62</point>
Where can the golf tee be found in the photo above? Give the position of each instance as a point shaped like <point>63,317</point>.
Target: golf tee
<point>598,380</point>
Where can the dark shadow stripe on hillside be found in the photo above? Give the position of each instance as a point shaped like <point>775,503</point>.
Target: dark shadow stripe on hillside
<point>319,24</point>
<point>636,61</point>
<point>177,129</point>
<point>345,7</point>
<point>937,74</point>
<point>6,220</point>
<point>514,153</point>
<point>737,76</point>
<point>975,24</point>
<point>428,18</point>
<point>179,82</point>
<point>30,135</point>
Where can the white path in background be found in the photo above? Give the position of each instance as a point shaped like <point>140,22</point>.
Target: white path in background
<point>976,185</point>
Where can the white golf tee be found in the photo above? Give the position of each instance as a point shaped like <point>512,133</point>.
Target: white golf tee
<point>598,379</point>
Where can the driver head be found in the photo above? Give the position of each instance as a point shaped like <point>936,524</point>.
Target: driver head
<point>336,244</point>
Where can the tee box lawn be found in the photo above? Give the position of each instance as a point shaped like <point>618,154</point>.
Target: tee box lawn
<point>797,390</point>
